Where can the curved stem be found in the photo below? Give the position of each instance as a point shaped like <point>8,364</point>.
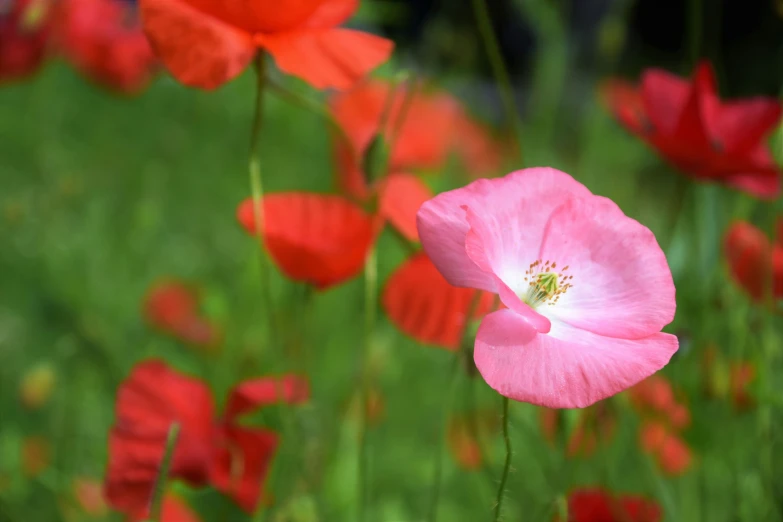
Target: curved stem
<point>313,106</point>
<point>257,187</point>
<point>499,69</point>
<point>159,490</point>
<point>370,304</point>
<point>507,465</point>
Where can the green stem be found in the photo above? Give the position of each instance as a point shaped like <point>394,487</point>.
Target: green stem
<point>257,188</point>
<point>159,491</point>
<point>313,106</point>
<point>370,307</point>
<point>507,465</point>
<point>465,344</point>
<point>499,70</point>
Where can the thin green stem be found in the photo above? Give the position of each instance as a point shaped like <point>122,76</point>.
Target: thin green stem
<point>448,399</point>
<point>370,309</point>
<point>507,465</point>
<point>156,504</point>
<point>438,473</point>
<point>315,107</point>
<point>257,188</point>
<point>499,69</point>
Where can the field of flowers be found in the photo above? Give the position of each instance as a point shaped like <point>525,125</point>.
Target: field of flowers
<point>258,266</point>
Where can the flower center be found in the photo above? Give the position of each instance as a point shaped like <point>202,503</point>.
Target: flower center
<point>545,284</point>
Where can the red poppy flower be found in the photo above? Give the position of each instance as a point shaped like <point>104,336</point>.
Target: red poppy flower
<point>421,131</point>
<point>24,34</point>
<point>671,453</point>
<point>89,496</point>
<point>420,302</point>
<point>174,509</point>
<point>755,264</point>
<point>172,307</point>
<point>596,423</point>
<point>597,505</point>
<point>697,132</point>
<point>463,445</point>
<point>318,239</point>
<point>36,455</point>
<point>742,374</point>
<point>104,40</point>
<point>232,458</point>
<point>205,43</point>
<point>654,394</point>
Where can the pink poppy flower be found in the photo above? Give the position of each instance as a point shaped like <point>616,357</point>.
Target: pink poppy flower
<point>587,288</point>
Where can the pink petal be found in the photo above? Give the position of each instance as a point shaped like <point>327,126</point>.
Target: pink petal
<point>528,196</point>
<point>622,285</point>
<point>567,368</point>
<point>325,58</point>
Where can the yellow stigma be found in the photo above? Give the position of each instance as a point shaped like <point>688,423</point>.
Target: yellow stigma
<point>545,285</point>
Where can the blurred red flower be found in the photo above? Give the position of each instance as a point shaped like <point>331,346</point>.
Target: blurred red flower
<point>463,445</point>
<point>421,304</point>
<point>36,455</point>
<point>422,128</point>
<point>89,496</point>
<point>697,132</point>
<point>218,451</point>
<point>172,307</point>
<point>595,423</point>
<point>663,419</point>
<point>742,374</point>
<point>755,264</point>
<point>24,35</point>
<point>174,509</point>
<point>598,505</point>
<point>205,43</point>
<point>103,39</point>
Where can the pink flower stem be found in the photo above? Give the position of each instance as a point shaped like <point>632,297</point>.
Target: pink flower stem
<point>506,466</point>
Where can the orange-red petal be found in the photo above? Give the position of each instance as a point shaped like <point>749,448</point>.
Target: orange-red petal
<point>174,509</point>
<point>257,393</point>
<point>242,464</point>
<point>336,58</point>
<point>420,302</point>
<point>198,50</point>
<point>401,195</point>
<point>314,238</point>
<point>749,255</point>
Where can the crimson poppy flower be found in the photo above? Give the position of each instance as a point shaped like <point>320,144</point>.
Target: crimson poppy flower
<point>172,307</point>
<point>595,423</point>
<point>24,35</point>
<point>423,305</point>
<point>422,131</point>
<point>217,451</point>
<point>103,39</point>
<point>755,264</point>
<point>205,43</point>
<point>697,132</point>
<point>598,505</point>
